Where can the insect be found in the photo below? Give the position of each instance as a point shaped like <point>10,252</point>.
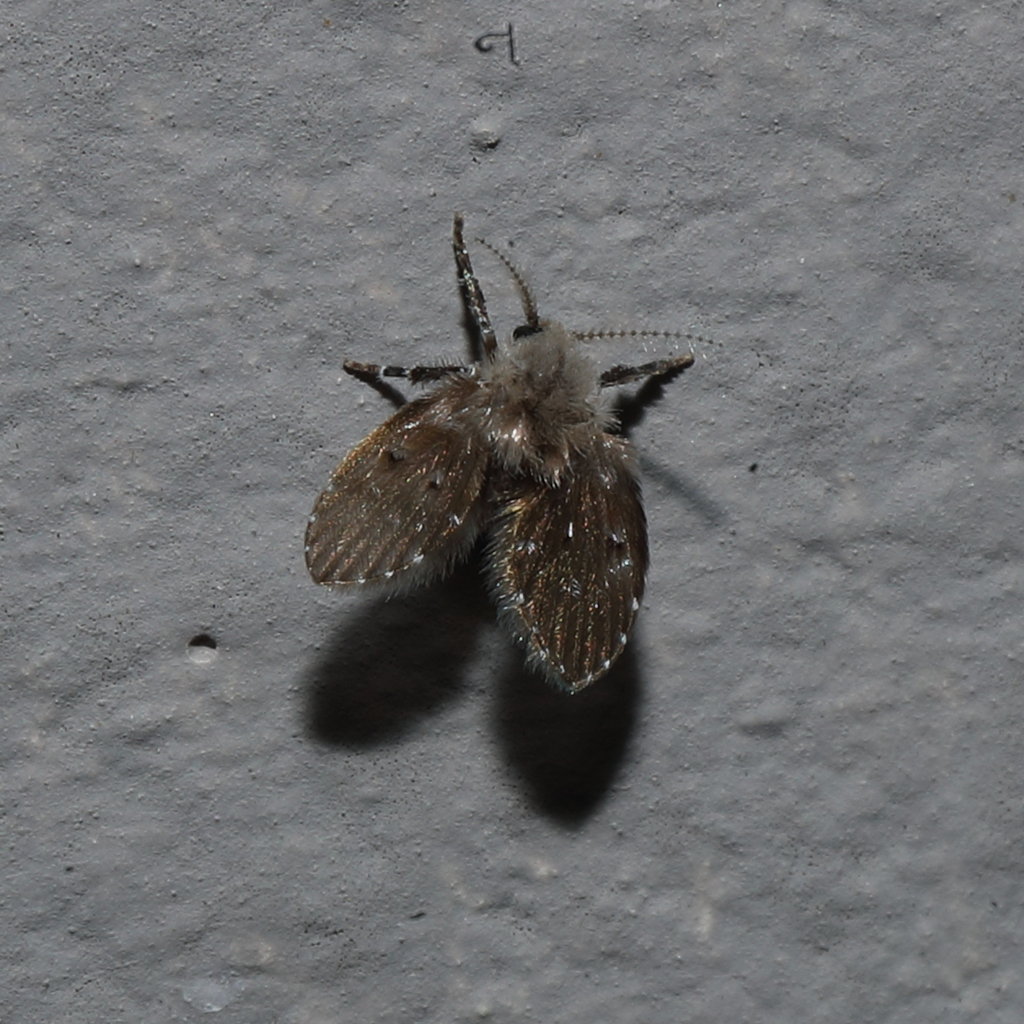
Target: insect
<point>517,445</point>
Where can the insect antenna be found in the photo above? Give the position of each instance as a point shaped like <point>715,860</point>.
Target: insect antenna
<point>677,335</point>
<point>532,324</point>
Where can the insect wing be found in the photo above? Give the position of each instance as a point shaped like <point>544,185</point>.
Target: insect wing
<point>569,562</point>
<point>407,499</point>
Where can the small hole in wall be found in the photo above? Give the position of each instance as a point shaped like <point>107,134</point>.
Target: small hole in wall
<point>202,649</point>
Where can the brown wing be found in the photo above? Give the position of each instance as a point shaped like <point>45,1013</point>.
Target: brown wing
<point>568,563</point>
<point>407,499</point>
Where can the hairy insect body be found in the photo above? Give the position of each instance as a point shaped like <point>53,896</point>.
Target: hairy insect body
<point>542,403</point>
<point>517,445</point>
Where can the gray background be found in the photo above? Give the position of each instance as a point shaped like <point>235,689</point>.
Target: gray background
<point>799,795</point>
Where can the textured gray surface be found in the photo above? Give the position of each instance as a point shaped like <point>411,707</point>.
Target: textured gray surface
<point>800,796</point>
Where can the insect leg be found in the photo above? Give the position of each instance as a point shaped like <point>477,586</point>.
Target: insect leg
<point>659,368</point>
<point>472,291</point>
<point>371,373</point>
<point>375,376</point>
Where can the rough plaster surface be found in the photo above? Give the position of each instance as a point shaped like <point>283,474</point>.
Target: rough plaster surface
<point>799,796</point>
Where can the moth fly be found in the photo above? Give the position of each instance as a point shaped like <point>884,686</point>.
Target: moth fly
<point>519,445</point>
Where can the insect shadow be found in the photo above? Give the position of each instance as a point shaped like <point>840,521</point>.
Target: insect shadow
<point>565,754</point>
<point>367,690</point>
<point>396,660</point>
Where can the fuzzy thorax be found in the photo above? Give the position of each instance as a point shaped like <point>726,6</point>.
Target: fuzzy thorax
<point>542,402</point>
